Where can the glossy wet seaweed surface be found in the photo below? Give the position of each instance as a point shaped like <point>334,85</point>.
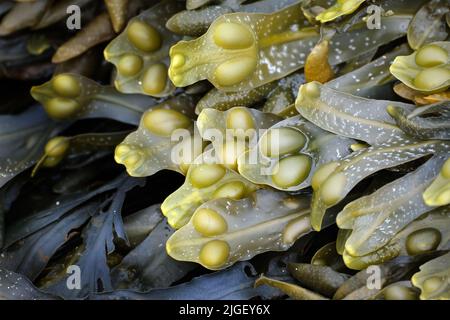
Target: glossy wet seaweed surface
<point>228,149</point>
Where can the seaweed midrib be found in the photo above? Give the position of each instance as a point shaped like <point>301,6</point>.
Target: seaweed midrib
<point>255,228</point>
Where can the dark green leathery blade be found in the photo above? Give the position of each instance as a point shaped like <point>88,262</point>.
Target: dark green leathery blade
<point>288,153</point>
<point>348,115</point>
<point>14,49</point>
<point>140,52</point>
<point>428,122</point>
<point>427,233</point>
<point>55,210</point>
<point>221,100</point>
<point>9,192</point>
<point>282,98</point>
<point>376,218</point>
<point>22,138</point>
<point>148,266</point>
<point>60,147</point>
<point>98,236</point>
<point>151,147</point>
<point>30,255</point>
<point>140,224</point>
<point>17,287</point>
<point>357,62</point>
<point>369,80</point>
<point>333,181</point>
<point>72,96</point>
<point>5,6</point>
<point>278,95</point>
<point>224,231</point>
<point>235,283</point>
<point>433,279</point>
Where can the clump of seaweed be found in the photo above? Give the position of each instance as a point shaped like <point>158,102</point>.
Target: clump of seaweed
<point>288,146</point>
